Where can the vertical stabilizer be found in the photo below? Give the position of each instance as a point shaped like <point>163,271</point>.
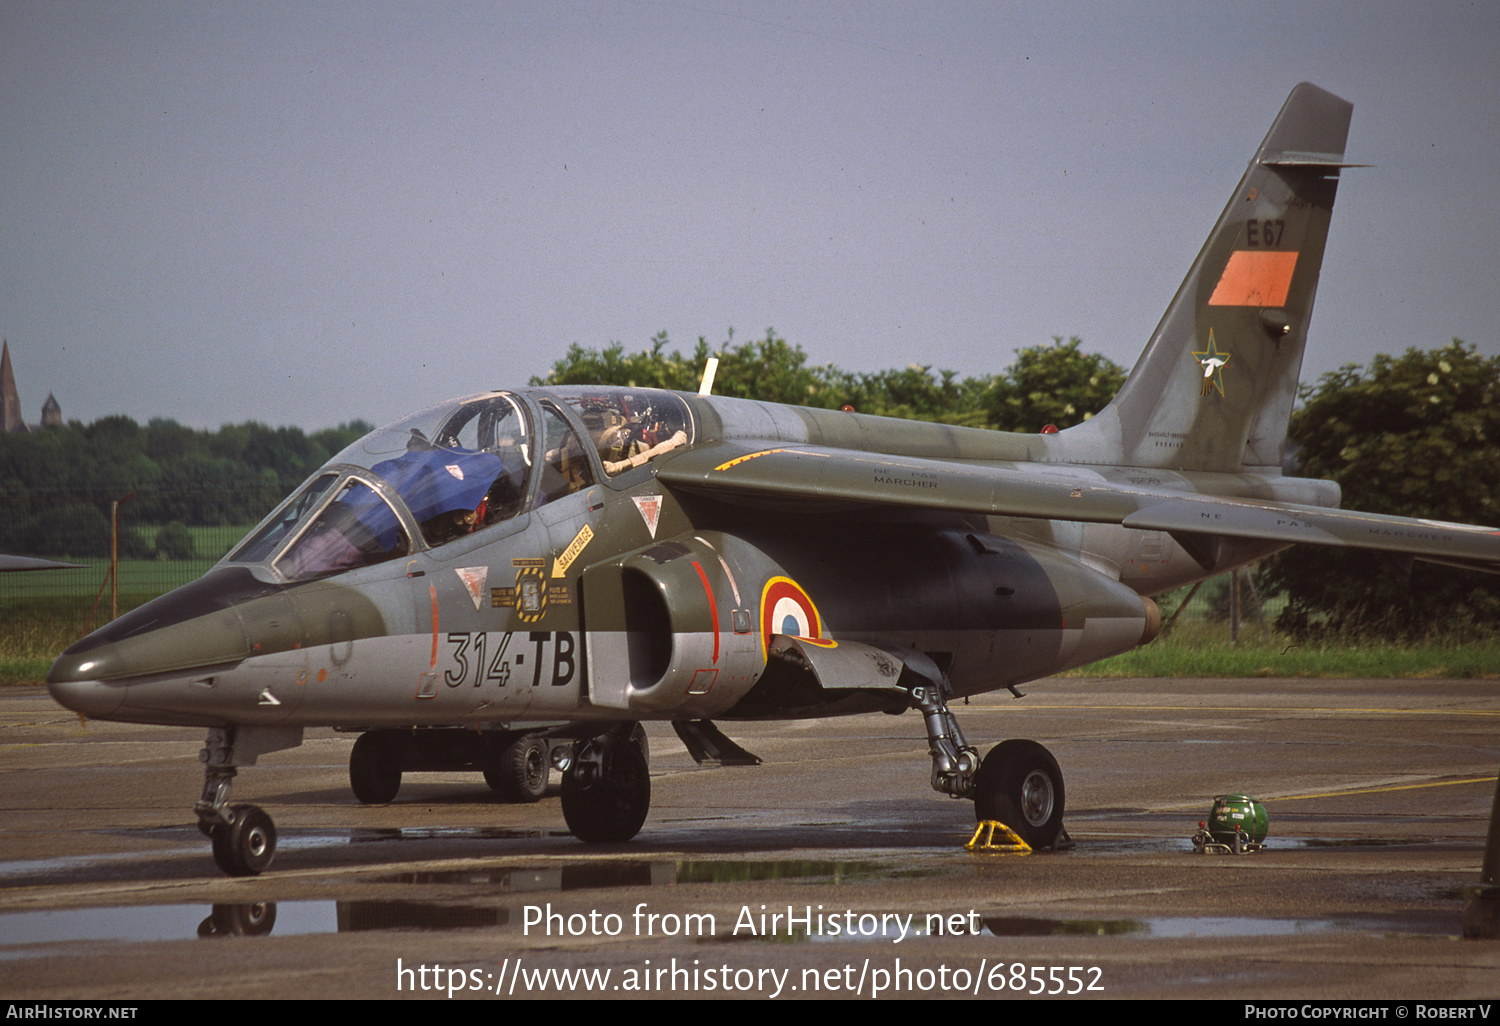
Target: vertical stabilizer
<point>1214,388</point>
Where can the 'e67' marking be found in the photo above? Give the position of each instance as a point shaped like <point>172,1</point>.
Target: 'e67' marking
<point>1264,233</point>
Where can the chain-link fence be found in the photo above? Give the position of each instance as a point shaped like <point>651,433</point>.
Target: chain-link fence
<point>1234,600</point>
<point>162,536</point>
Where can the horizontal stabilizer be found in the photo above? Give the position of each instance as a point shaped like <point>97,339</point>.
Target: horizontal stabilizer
<point>19,563</point>
<point>1431,540</point>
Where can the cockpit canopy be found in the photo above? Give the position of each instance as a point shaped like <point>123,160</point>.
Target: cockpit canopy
<point>454,469</point>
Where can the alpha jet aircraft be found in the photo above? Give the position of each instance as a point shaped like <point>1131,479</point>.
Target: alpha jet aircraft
<point>591,557</point>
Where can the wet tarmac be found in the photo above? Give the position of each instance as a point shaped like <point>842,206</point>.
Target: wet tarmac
<point>830,871</point>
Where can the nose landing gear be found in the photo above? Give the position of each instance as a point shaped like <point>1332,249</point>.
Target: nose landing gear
<point>243,836</point>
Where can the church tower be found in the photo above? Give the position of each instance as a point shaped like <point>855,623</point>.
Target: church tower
<point>10,400</point>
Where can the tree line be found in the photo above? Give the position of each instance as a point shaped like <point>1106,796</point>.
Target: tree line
<point>1057,384</point>
<point>57,484</point>
<point>1414,435</point>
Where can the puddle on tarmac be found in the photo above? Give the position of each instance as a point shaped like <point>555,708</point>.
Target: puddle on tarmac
<point>832,872</point>
<point>576,877</point>
<point>46,933</point>
<point>190,842</point>
<point>611,873</point>
<point>37,934</point>
<point>1165,926</point>
<point>1357,842</point>
<point>181,922</point>
<point>1017,926</point>
<point>177,922</point>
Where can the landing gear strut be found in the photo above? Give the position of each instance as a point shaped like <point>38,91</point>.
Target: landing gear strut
<point>954,761</point>
<point>516,764</point>
<point>606,793</point>
<point>244,837</point>
<point>1018,782</point>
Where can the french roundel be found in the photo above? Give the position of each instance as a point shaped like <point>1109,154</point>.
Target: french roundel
<point>786,609</point>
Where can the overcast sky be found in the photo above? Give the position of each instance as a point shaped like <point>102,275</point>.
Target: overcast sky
<point>305,213</point>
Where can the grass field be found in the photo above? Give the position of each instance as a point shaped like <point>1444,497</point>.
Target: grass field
<point>1199,649</point>
<point>144,577</point>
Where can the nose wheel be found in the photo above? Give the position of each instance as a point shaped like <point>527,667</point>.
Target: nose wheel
<point>245,845</point>
<point>243,836</point>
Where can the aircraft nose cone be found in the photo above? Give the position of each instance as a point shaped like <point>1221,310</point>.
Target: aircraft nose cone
<point>194,626</point>
<point>74,684</point>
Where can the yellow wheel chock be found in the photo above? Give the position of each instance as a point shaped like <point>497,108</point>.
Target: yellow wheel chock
<point>995,838</point>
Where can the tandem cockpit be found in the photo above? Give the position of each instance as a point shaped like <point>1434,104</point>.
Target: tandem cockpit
<point>453,470</point>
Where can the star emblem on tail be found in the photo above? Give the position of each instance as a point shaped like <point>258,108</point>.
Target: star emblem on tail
<point>1212,361</point>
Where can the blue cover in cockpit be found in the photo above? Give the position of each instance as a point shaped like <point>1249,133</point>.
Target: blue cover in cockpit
<point>430,482</point>
<point>440,480</point>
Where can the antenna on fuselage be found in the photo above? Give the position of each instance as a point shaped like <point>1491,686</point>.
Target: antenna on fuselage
<point>706,386</point>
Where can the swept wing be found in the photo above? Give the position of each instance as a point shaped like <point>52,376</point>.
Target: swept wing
<point>822,475</point>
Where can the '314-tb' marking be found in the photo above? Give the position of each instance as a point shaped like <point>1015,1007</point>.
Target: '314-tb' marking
<point>490,657</point>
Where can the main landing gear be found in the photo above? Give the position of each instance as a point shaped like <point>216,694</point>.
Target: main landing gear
<point>1018,782</point>
<point>520,773</point>
<point>606,792</point>
<point>516,764</point>
<point>606,788</point>
<point>1020,785</point>
<point>243,836</point>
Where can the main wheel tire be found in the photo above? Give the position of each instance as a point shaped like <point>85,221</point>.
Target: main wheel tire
<point>375,768</point>
<point>247,844</point>
<point>520,772</point>
<point>613,807</point>
<point>1020,784</point>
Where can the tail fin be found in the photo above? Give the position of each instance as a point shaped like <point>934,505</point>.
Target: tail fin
<point>1214,388</point>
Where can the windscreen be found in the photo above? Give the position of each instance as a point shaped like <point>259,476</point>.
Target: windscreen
<point>456,468</point>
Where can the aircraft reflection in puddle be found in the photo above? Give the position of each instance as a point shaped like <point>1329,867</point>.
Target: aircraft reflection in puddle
<point>174,922</point>
<point>292,918</point>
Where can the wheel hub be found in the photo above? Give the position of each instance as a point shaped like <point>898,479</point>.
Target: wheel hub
<point>256,842</point>
<point>1037,797</point>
